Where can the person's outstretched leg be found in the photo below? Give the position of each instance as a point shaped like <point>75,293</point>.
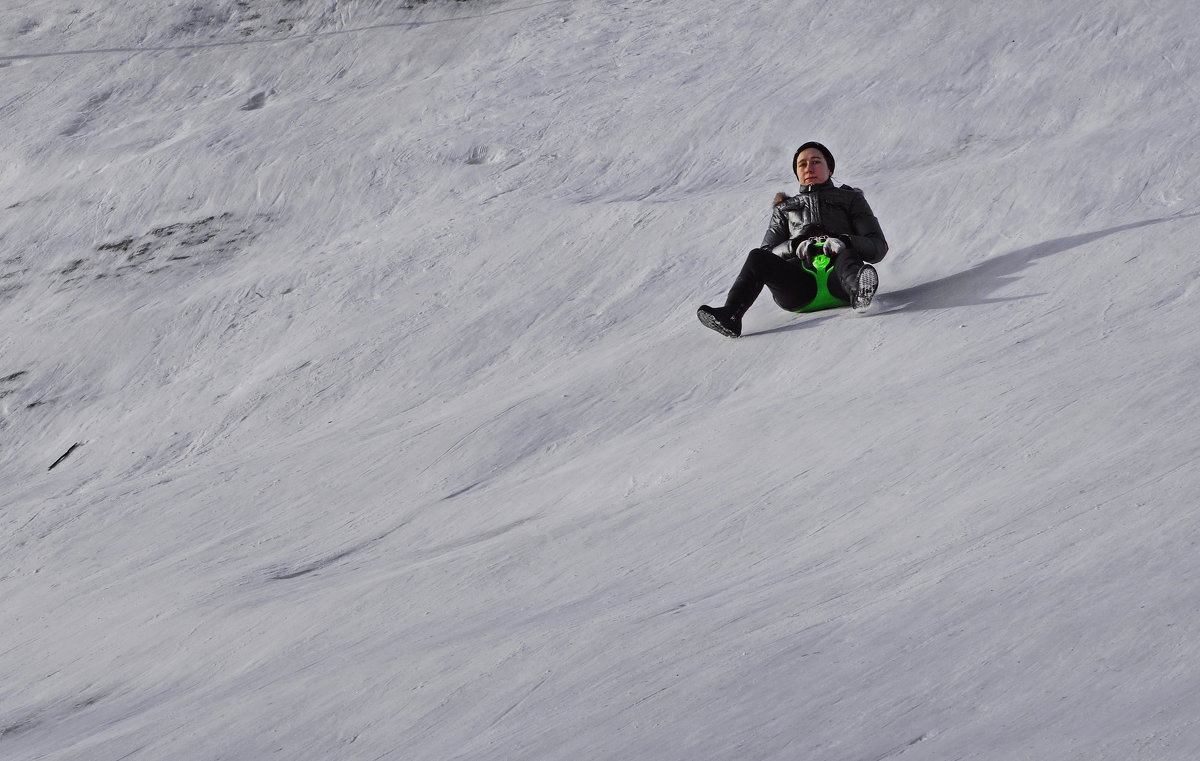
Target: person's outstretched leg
<point>791,286</point>
<point>721,319</point>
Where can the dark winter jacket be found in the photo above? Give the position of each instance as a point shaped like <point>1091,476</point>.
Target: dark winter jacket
<point>843,211</point>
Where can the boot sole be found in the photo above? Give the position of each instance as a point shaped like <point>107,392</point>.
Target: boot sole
<point>709,320</point>
<point>868,283</point>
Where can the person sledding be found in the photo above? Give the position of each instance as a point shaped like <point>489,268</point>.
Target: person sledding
<point>817,253</point>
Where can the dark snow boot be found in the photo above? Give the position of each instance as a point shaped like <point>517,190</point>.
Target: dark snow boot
<point>721,319</point>
<point>868,283</point>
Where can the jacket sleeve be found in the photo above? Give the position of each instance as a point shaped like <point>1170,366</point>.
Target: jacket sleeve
<point>777,231</point>
<point>867,241</point>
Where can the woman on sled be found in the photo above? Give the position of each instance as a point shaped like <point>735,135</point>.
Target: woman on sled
<point>817,252</point>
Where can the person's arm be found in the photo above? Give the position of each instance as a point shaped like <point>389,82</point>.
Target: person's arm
<point>777,230</point>
<point>867,241</point>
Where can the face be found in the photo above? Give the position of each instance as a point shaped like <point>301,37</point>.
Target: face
<point>811,167</point>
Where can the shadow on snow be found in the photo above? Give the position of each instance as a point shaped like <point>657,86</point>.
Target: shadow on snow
<point>973,287</point>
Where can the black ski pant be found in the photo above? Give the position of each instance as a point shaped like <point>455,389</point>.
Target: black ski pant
<point>792,286</point>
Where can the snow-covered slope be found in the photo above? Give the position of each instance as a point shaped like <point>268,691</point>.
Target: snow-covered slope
<point>370,332</point>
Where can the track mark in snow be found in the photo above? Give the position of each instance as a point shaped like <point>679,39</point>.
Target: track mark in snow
<point>11,269</point>
<point>480,538</point>
<point>17,727</point>
<point>65,455</point>
<point>436,553</point>
<point>518,703</point>
<point>210,240</point>
<point>204,19</point>
<point>484,154</point>
<point>462,491</point>
<point>316,565</point>
<point>80,122</point>
<point>257,101</point>
<point>903,748</point>
<point>7,382</point>
<point>52,713</point>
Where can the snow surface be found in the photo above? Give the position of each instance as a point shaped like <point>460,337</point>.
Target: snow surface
<point>397,437</point>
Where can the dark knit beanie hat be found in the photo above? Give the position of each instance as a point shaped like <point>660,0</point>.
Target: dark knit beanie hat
<point>819,147</point>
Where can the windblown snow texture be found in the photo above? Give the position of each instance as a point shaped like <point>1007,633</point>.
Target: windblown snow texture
<point>370,330</point>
